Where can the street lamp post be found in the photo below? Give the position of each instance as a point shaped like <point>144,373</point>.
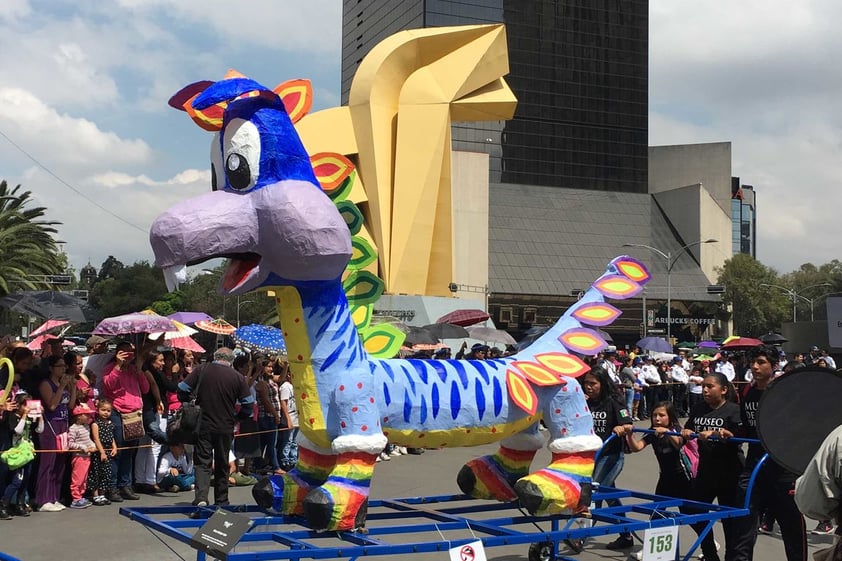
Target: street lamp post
<point>794,296</point>
<point>671,259</point>
<point>238,308</point>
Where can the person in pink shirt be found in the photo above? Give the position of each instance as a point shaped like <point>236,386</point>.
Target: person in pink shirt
<point>123,383</point>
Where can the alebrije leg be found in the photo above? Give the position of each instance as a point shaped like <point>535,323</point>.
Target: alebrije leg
<point>285,493</point>
<point>341,503</point>
<point>494,476</point>
<point>563,487</point>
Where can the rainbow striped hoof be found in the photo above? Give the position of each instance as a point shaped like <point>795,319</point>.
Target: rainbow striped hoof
<point>563,487</point>
<point>341,502</point>
<point>494,476</point>
<point>336,507</point>
<point>281,493</point>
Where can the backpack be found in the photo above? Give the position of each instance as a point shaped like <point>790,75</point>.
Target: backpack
<point>689,456</point>
<point>183,426</point>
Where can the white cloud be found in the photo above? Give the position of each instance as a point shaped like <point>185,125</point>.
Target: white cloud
<point>60,139</point>
<point>12,10</point>
<point>763,75</point>
<point>190,177</point>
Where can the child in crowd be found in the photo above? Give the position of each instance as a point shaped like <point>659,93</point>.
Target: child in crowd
<point>99,476</point>
<point>80,441</point>
<point>673,480</point>
<point>175,471</point>
<point>19,423</point>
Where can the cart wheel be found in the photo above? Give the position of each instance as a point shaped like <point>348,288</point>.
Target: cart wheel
<point>542,551</point>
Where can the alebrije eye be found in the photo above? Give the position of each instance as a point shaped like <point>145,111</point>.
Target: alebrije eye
<point>237,170</point>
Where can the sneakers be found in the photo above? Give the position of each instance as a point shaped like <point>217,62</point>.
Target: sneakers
<point>702,555</point>
<point>101,500</point>
<point>4,512</point>
<point>764,529</point>
<point>80,503</point>
<point>622,542</point>
<point>128,494</point>
<point>114,496</point>
<point>192,486</point>
<point>384,456</point>
<point>174,489</point>
<point>51,507</point>
<point>825,527</point>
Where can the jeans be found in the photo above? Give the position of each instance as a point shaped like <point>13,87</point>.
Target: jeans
<point>183,481</point>
<point>16,490</point>
<point>269,440</point>
<point>629,394</point>
<point>288,445</point>
<point>605,472</point>
<point>122,465</point>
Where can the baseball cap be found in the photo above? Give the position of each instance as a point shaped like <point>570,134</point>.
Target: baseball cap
<point>443,351</point>
<point>479,347</point>
<point>676,359</point>
<point>95,340</point>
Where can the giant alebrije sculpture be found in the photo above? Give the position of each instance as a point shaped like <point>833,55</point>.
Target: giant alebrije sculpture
<point>270,216</point>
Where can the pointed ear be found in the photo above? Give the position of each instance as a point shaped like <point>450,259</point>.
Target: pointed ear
<point>187,93</point>
<point>297,96</point>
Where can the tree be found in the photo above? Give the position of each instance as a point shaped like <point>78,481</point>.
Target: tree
<point>755,310</point>
<point>129,289</point>
<point>27,248</point>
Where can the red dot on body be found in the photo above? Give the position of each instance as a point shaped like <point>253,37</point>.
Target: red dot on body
<point>557,411</point>
<point>421,435</point>
<point>312,420</point>
<point>296,320</point>
<point>364,428</point>
<point>493,429</point>
<point>385,419</point>
<point>342,424</point>
<point>564,389</point>
<point>371,399</point>
<point>300,357</point>
<point>577,415</point>
<point>385,434</point>
<point>342,388</point>
<point>359,385</point>
<point>354,409</point>
<point>303,396</point>
<point>563,430</point>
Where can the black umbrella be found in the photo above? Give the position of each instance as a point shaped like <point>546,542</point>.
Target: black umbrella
<point>420,336</point>
<point>50,304</point>
<point>446,330</point>
<point>774,339</point>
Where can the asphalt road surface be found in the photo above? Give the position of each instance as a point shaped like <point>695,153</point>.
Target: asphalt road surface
<point>101,533</point>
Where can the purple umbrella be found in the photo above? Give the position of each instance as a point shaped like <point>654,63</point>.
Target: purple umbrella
<point>189,318</point>
<point>138,322</point>
<point>709,345</point>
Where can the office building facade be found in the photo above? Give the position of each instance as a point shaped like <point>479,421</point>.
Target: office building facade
<point>579,69</point>
<point>743,218</point>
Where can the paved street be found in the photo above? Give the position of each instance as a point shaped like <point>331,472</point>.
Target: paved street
<point>99,532</point>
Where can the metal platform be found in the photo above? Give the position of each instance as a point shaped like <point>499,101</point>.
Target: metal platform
<point>435,524</point>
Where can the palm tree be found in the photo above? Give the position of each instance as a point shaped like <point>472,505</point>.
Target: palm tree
<point>27,247</point>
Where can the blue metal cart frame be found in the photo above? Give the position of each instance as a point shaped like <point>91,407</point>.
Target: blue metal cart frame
<point>496,524</point>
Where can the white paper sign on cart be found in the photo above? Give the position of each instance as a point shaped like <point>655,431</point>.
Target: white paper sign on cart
<point>660,544</point>
<point>469,552</point>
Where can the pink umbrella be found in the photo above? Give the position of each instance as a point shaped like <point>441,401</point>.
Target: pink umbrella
<point>36,343</point>
<point>464,318</point>
<point>185,343</point>
<point>48,325</point>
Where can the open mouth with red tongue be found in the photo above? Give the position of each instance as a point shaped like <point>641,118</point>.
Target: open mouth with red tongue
<point>241,267</point>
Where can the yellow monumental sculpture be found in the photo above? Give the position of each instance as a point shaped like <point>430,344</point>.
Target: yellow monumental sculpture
<point>396,130</point>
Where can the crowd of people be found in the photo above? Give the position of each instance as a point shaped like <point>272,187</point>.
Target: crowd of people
<point>98,424</point>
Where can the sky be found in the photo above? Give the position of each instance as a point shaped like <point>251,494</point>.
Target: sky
<point>85,126</point>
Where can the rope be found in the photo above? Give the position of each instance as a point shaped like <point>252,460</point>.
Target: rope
<point>139,446</point>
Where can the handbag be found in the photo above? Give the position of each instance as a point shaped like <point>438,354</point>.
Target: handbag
<point>24,452</point>
<point>184,424</point>
<point>133,425</point>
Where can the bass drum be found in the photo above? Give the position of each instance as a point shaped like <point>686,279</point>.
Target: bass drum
<point>797,412</point>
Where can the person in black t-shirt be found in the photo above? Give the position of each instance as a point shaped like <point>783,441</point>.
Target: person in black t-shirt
<point>609,417</point>
<point>218,389</point>
<point>673,480</point>
<point>774,487</point>
<point>714,420</point>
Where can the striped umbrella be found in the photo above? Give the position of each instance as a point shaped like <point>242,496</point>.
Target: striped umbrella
<point>218,326</point>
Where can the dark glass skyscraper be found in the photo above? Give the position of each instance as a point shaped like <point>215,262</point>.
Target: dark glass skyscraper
<point>579,69</point>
